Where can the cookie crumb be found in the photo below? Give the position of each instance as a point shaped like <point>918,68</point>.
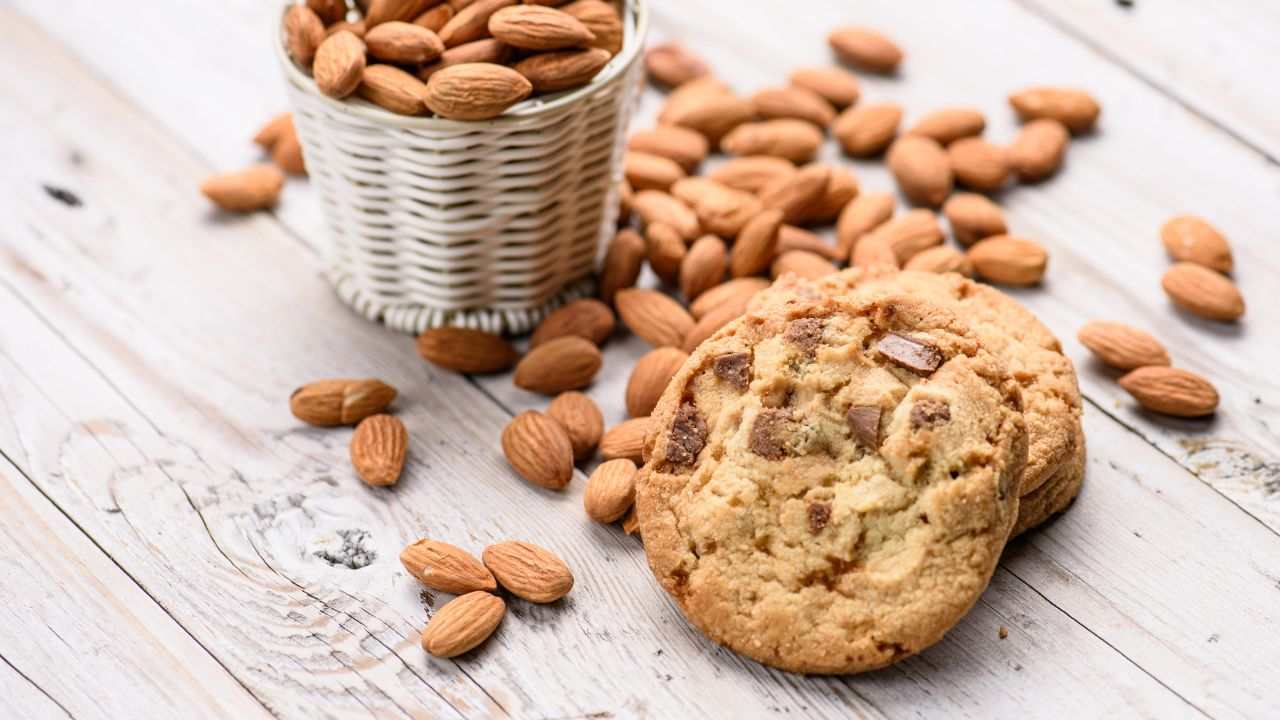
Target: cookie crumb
<point>927,413</point>
<point>819,516</point>
<point>805,333</point>
<point>1003,632</point>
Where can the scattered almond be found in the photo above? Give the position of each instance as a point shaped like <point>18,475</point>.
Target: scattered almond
<point>1171,391</point>
<point>447,568</point>
<point>665,251</point>
<point>672,64</point>
<point>681,145</point>
<point>466,351</point>
<point>795,103</point>
<point>722,210</point>
<point>799,195</point>
<point>842,187</point>
<point>866,130</point>
<point>941,259</point>
<point>585,318</point>
<point>656,318</point>
<point>625,440</point>
<point>1074,108</point>
<point>563,363</point>
<point>735,292</point>
<point>717,317</point>
<point>650,172</point>
<point>328,403</point>
<point>1192,239</point>
<point>538,448</point>
<point>865,213</point>
<point>1122,346</point>
<point>275,129</point>
<point>611,490</point>
<point>865,48</point>
<point>801,263</point>
<point>649,378</point>
<point>287,154</point>
<point>254,188</point>
<point>655,206</point>
<point>979,164</point>
<point>1037,151</point>
<point>752,173</point>
<point>475,91</point>
<point>1008,260</point>
<point>462,624</point>
<point>622,263</point>
<point>795,140</point>
<point>714,114</point>
<point>973,217</point>
<point>703,267</point>
<point>910,234</point>
<point>791,238</point>
<point>950,124</point>
<point>528,571</point>
<point>581,419</point>
<point>756,246</point>
<point>1201,291</point>
<point>873,250</point>
<point>378,447</point>
<point>922,169</point>
<point>836,85</point>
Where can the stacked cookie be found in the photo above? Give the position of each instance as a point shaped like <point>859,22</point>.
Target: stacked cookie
<point>831,478</point>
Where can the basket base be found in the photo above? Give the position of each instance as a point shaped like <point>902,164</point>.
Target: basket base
<point>415,319</point>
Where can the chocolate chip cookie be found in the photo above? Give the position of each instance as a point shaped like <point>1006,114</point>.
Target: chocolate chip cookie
<point>1055,495</point>
<point>831,482</point>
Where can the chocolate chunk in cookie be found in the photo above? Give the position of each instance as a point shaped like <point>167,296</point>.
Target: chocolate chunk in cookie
<point>768,434</point>
<point>735,369</point>
<point>927,413</point>
<point>911,354</point>
<point>804,333</point>
<point>819,516</point>
<point>688,436</point>
<point>864,423</point>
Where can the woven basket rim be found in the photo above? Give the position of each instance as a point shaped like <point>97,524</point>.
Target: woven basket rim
<point>513,117</point>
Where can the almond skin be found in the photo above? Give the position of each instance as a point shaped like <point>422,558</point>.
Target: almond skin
<point>381,11</point>
<point>873,250</point>
<point>703,267</point>
<point>680,145</point>
<point>973,217</point>
<point>585,318</point>
<point>602,19</point>
<point>655,206</point>
<point>467,351</point>
<point>447,568</point>
<point>1122,346</point>
<point>842,187</point>
<point>436,18</point>
<point>487,50</point>
<point>794,140</point>
<point>378,448</point>
<point>837,86</point>
<point>254,188</point>
<point>799,195</point>
<point>528,571</point>
<point>717,317</point>
<point>557,365</point>
<point>471,23</point>
<point>721,210</point>
<point>403,43</point>
<point>911,233</point>
<point>941,259</point>
<point>979,164</point>
<point>1203,292</point>
<point>665,251</point>
<point>393,89</point>
<point>756,246</point>
<point>650,172</point>
<point>865,213</point>
<point>328,403</point>
<point>277,127</point>
<point>1171,391</point>
<point>949,124</point>
<point>712,114</point>
<point>795,103</point>
<point>622,263</point>
<point>475,91</point>
<point>329,11</point>
<point>656,318</point>
<point>732,291</point>
<point>1074,108</point>
<point>564,70</point>
<point>1192,239</point>
<point>303,33</point>
<point>611,490</point>
<point>287,153</point>
<point>538,448</point>
<point>753,173</point>
<point>690,94</point>
<point>625,440</point>
<point>649,379</point>
<point>866,130</point>
<point>581,419</point>
<point>339,64</point>
<point>865,48</point>
<point>536,27</point>
<point>462,624</point>
<point>1008,260</point>
<point>922,169</point>
<point>1038,149</point>
<point>791,238</point>
<point>673,65</point>
<point>801,263</point>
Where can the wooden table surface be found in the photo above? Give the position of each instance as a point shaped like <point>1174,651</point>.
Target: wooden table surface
<point>175,544</point>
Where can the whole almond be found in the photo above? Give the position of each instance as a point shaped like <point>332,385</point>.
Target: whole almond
<point>703,267</point>
<point>1192,239</point>
<point>581,419</point>
<point>447,568</point>
<point>979,164</point>
<point>739,291</point>
<point>378,447</point>
<point>356,28</point>
<point>941,259</point>
<point>865,48</point>
<point>649,379</point>
<point>436,18</point>
<point>678,144</point>
<point>724,211</point>
<point>536,27</point>
<point>801,263</point>
<point>303,33</point>
<point>922,169</point>
<point>339,64</point>
<point>1122,346</point>
<point>795,140</point>
<point>626,197</point>
<point>756,246</point>
<point>1008,260</point>
<point>873,250</point>
<point>717,317</point>
<point>650,172</point>
<point>462,624</point>
<point>381,11</point>
<point>791,238</point>
<point>655,206</point>
<point>1072,107</point>
<point>837,86</point>
<point>665,250</point>
<point>471,23</point>
<point>1171,391</point>
<point>487,50</point>
<point>752,173</point>
<point>713,114</point>
<point>1201,291</point>
<point>341,401</point>
<point>622,263</point>
<point>689,94</point>
<point>842,187</point>
<point>559,364</point>
<point>329,11</point>
<point>602,19</point>
<point>538,448</point>
<point>287,153</point>
<point>475,91</point>
<point>393,89</point>
<point>795,103</point>
<point>611,490</point>
<point>403,43</point>
<point>586,318</point>
<point>949,124</point>
<point>911,233</point>
<point>798,195</point>
<point>973,217</point>
<point>625,440</point>
<point>1038,149</point>
<point>866,130</point>
<point>254,188</point>
<point>467,351</point>
<point>865,213</point>
<point>277,127</point>
<point>654,317</point>
<point>528,571</point>
<point>550,72</point>
<point>672,64</point>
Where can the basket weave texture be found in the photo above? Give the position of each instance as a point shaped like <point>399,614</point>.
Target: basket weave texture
<point>489,224</point>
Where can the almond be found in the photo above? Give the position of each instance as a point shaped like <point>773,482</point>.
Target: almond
<point>730,292</point>
<point>528,571</point>
<point>462,624</point>
<point>655,206</point>
<point>556,71</point>
<point>703,267</point>
<point>949,124</point>
<point>254,188</point>
<point>795,140</point>
<point>751,174</point>
<point>842,187</point>
<point>922,169</point>
<point>626,196</point>
<point>393,89</point>
<point>865,213</point>
<point>689,94</point>
<point>795,103</point>
<point>287,154</point>
<point>798,195</point>
<point>665,251</point>
<point>756,246</point>
<point>303,33</point>
<point>538,448</point>
<point>973,217</point>
<point>585,318</point>
<point>1008,260</point>
<point>650,172</point>
<point>801,263</point>
<point>329,11</point>
<point>611,490</point>
<point>979,164</point>
<point>649,379</point>
<point>910,234</point>
<point>1171,391</point>
<point>378,447</point>
<point>873,250</point>
<point>381,11</point>
<point>680,145</point>
<point>622,263</point>
<point>722,210</point>
<point>865,48</point>
<point>466,351</point>
<point>563,363</point>
<point>791,238</point>
<point>447,568</point>
<point>713,114</point>
<point>403,43</point>
<point>487,50</point>
<point>1037,151</point>
<point>656,318</point>
<point>328,403</point>
<point>1074,108</point>
<point>837,86</point>
<point>475,91</point>
<point>866,130</point>
<point>277,127</point>
<point>941,259</point>
<point>339,64</point>
<point>1192,239</point>
<point>1201,291</point>
<point>717,317</point>
<point>436,18</point>
<point>602,20</point>
<point>1122,346</point>
<point>672,64</point>
<point>536,27</point>
<point>471,23</point>
<point>625,440</point>
<point>581,419</point>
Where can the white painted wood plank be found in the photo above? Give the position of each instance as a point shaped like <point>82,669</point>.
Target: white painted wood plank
<point>20,698</point>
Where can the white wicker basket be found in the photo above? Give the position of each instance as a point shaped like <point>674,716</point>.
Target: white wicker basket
<point>488,224</point>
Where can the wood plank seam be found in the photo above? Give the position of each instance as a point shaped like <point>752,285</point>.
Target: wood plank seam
<point>35,685</point>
